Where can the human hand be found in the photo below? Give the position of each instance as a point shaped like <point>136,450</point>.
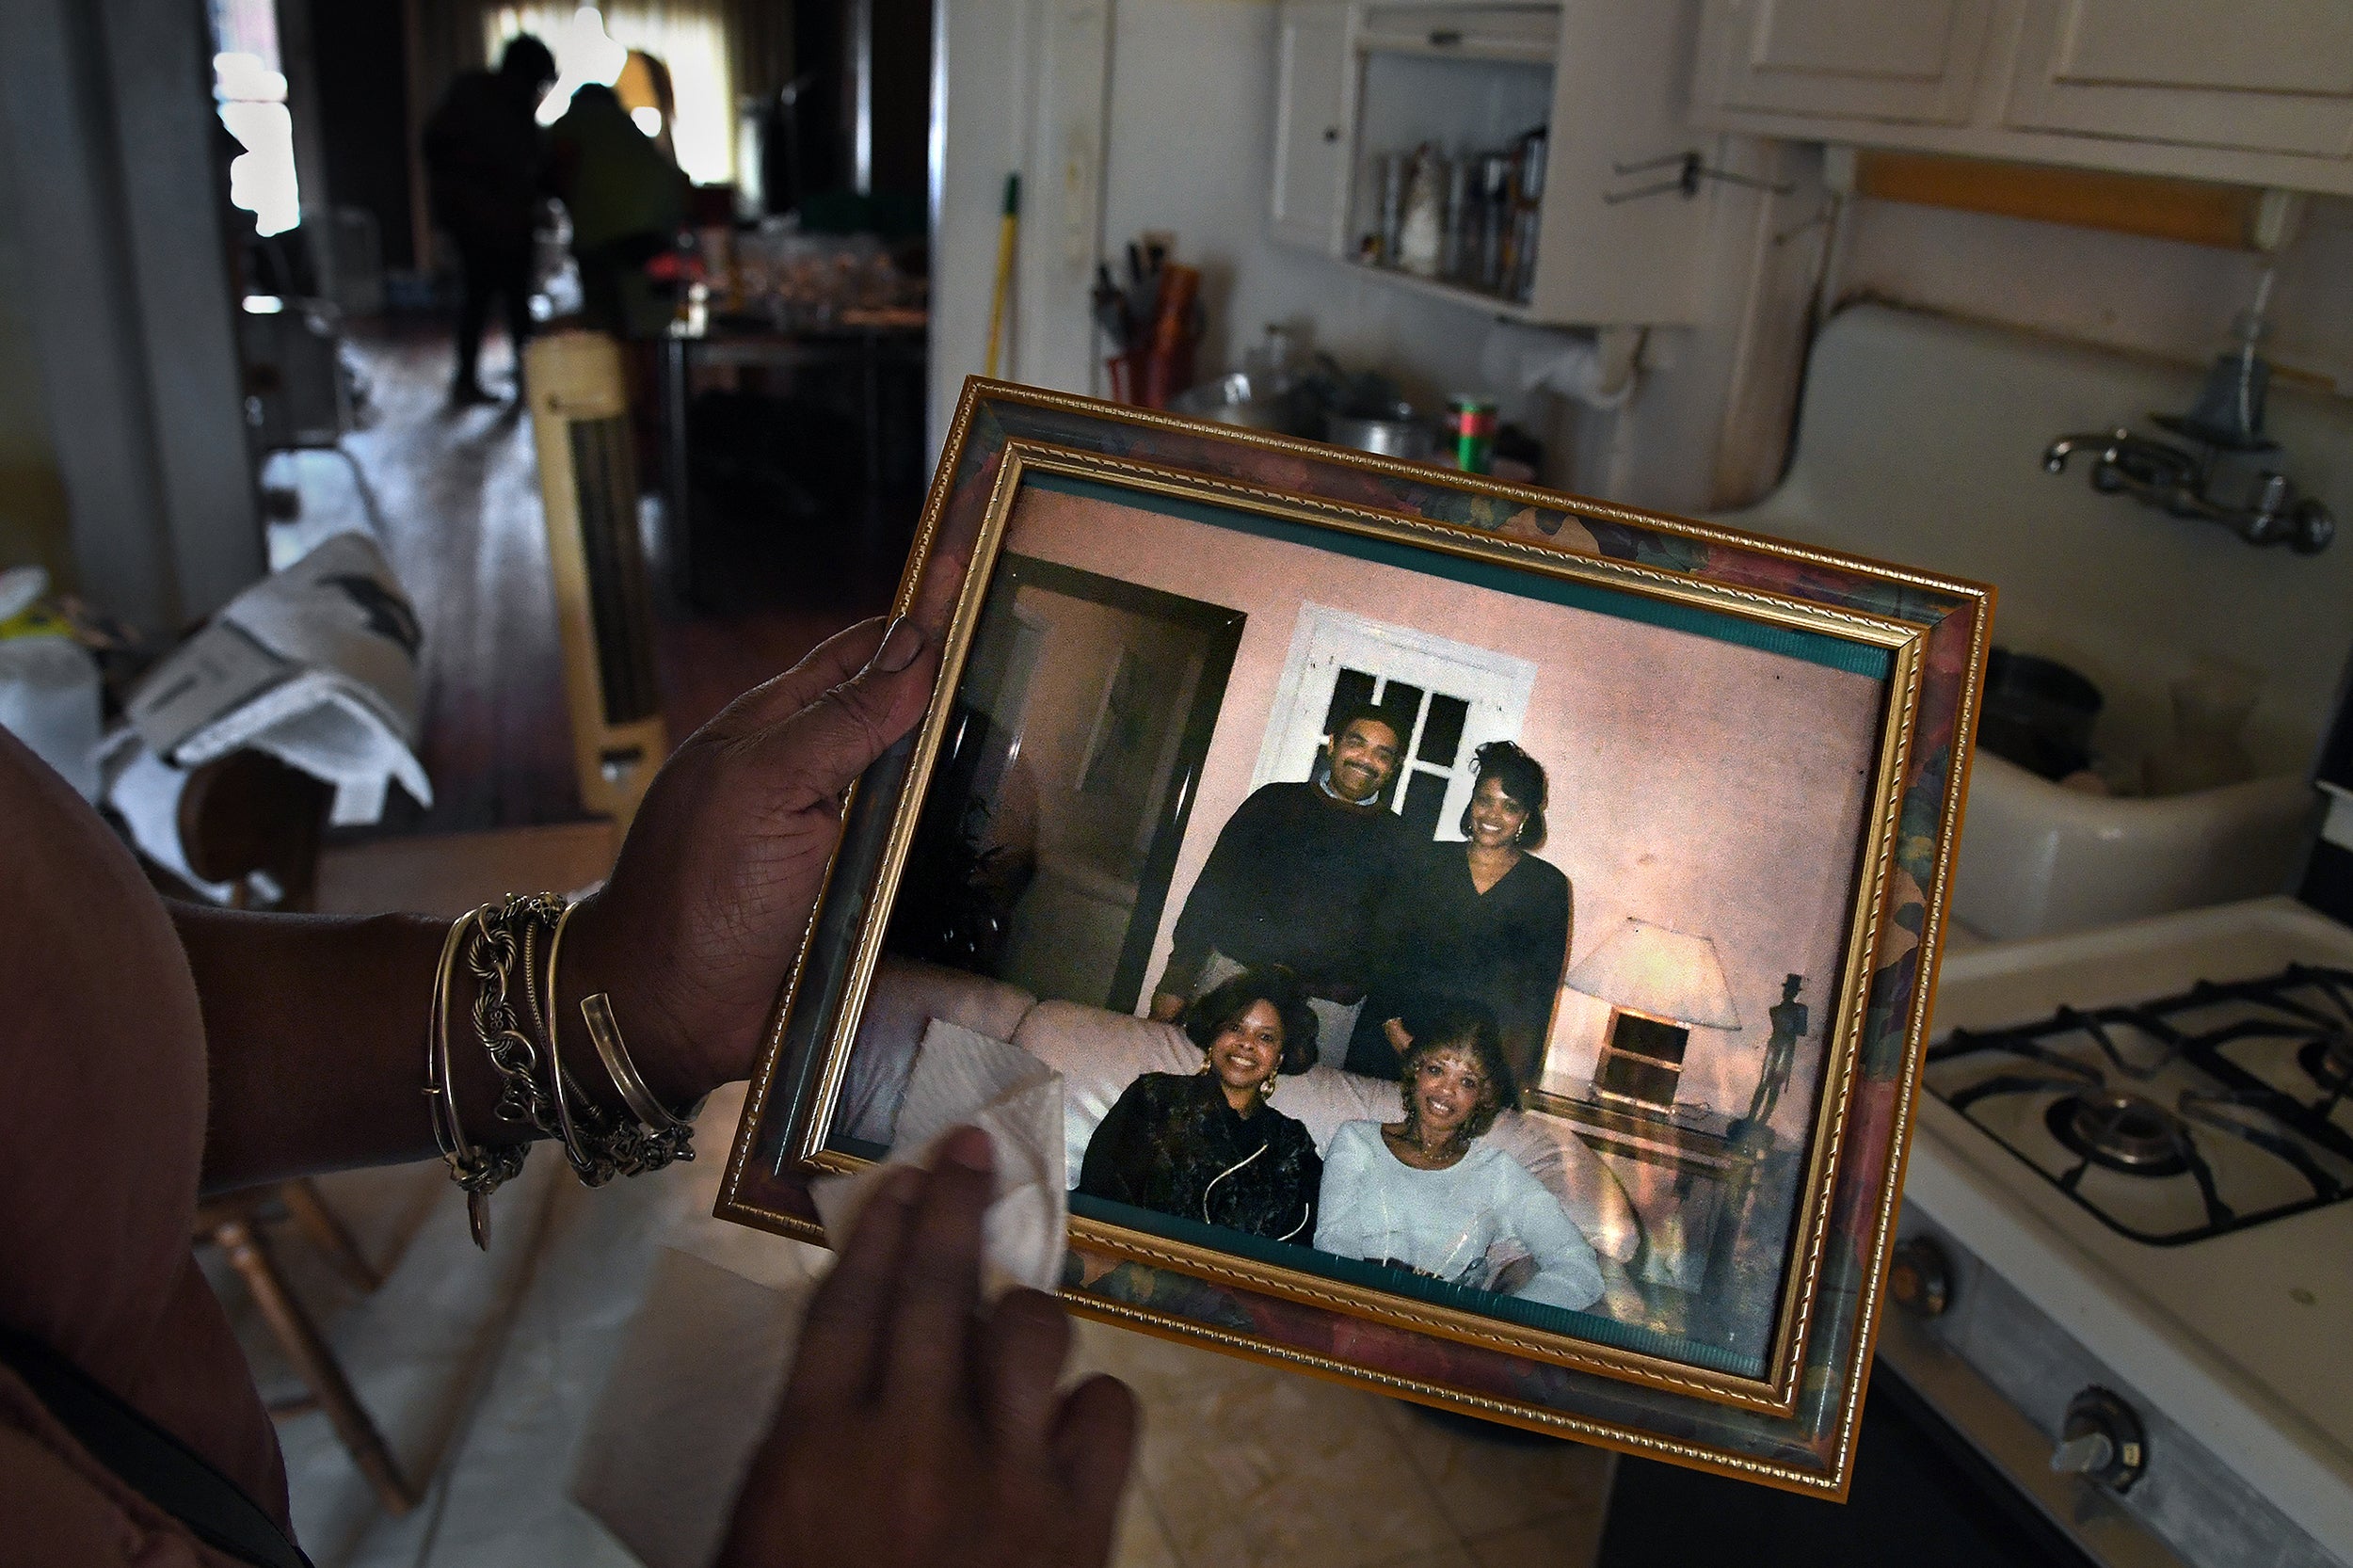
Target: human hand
<point>1393,1030</point>
<point>1167,1006</point>
<point>692,935</point>
<point>915,1433</point>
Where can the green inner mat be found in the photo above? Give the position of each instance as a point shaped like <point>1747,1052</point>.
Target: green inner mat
<point>1814,647</point>
<point>1437,1292</point>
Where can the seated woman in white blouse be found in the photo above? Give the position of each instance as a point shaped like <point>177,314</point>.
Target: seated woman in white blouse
<point>1425,1194</point>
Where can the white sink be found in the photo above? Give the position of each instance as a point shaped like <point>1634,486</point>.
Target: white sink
<point>2037,860</point>
<point>1920,442</point>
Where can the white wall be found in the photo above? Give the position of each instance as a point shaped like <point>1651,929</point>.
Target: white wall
<point>1192,147</point>
<point>110,126</point>
<point>2147,297</point>
<point>1183,93</point>
<point>2119,291</point>
<point>1185,99</point>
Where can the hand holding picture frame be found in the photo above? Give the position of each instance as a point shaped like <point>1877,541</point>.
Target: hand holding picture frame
<point>1486,938</point>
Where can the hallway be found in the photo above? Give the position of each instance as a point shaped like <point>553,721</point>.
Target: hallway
<point>453,496</point>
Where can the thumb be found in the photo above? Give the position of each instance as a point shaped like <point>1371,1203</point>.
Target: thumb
<point>820,751</point>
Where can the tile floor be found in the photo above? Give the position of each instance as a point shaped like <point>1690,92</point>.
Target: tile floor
<point>486,1371</point>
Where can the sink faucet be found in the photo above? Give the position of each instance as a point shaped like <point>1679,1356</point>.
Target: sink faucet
<point>2179,482</point>
<point>2227,417</point>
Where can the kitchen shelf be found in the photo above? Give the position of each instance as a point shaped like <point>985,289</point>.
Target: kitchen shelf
<point>1358,79</point>
<point>1491,304</point>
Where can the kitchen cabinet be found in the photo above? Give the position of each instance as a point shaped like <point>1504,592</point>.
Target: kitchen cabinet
<point>1311,117</point>
<point>1358,81</point>
<point>2254,92</point>
<point>1849,59</point>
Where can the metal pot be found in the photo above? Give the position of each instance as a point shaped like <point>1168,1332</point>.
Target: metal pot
<point>1236,399</point>
<point>1395,433</point>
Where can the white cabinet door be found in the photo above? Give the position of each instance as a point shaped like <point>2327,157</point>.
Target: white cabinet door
<point>1311,129</point>
<point>2259,75</point>
<point>1916,62</point>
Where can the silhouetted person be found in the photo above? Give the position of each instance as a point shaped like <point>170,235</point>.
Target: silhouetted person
<point>626,200</point>
<point>484,160</point>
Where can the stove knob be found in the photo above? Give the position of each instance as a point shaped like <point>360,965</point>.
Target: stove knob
<point>1921,1277</point>
<point>2101,1441</point>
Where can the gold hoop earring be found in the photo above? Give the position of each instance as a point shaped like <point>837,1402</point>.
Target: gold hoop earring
<point>1266,1087</point>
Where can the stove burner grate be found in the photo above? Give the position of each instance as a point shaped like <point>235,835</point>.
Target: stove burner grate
<point>2104,1068</point>
<point>2329,1060</point>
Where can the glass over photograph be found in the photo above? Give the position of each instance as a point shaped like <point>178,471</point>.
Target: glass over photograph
<point>1469,937</point>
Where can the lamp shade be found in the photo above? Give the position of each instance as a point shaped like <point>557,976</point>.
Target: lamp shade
<point>1666,974</point>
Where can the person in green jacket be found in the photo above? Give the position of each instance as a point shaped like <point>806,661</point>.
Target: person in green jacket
<point>626,200</point>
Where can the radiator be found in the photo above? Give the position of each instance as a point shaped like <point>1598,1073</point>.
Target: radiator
<point>588,480</point>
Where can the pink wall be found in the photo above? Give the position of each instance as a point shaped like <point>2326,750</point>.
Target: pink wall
<point>1711,788</point>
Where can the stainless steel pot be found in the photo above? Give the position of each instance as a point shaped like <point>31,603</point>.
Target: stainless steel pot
<point>1236,399</point>
<point>1397,433</point>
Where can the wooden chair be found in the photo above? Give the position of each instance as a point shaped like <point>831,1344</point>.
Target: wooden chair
<point>250,820</point>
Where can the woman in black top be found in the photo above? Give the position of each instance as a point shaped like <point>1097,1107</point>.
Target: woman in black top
<point>1484,921</point>
<point>1206,1146</point>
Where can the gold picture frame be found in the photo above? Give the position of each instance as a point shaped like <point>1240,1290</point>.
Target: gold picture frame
<point>1767,1387</point>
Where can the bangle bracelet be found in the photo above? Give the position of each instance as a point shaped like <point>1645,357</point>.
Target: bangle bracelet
<point>598,1151</point>
<point>599,1145</point>
<point>605,1030</point>
<point>669,1136</point>
<point>478,1172</point>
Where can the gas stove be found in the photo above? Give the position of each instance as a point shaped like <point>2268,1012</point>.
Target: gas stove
<point>2179,1118</point>
<point>2126,1254</point>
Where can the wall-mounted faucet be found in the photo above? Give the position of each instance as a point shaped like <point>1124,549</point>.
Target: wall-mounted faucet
<point>2187,481</point>
<point>2180,480</point>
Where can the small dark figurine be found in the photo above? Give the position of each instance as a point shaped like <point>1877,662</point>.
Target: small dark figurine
<point>1790,1018</point>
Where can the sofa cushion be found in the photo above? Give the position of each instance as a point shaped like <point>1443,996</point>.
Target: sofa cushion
<point>906,995</point>
<point>1098,1054</point>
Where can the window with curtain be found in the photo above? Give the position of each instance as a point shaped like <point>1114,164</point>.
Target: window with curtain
<point>591,43</point>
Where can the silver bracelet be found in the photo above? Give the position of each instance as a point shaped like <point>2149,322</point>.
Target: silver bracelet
<point>478,1172</point>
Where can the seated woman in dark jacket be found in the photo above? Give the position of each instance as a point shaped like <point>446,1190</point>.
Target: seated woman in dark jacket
<point>1206,1146</point>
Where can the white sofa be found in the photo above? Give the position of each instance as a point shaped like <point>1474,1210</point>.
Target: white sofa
<point>1098,1053</point>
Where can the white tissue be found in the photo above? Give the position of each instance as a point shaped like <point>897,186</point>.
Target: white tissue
<point>962,1078</point>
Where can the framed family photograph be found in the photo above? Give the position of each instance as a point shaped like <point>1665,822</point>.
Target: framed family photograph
<point>1482,938</point>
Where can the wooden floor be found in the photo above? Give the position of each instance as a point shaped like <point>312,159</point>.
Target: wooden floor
<point>454,498</point>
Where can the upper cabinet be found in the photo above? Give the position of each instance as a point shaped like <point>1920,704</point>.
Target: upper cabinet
<point>1849,59</point>
<point>1542,138</point>
<point>2250,76</point>
<point>1311,117</point>
<point>2253,92</point>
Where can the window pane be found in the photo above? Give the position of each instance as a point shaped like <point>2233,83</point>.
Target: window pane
<point>1442,732</point>
<point>1425,796</point>
<point>1402,704</point>
<point>1352,688</point>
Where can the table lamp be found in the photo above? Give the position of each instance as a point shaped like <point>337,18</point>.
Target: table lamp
<point>1660,985</point>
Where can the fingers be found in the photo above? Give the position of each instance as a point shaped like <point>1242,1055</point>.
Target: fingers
<point>843,655</point>
<point>824,667</point>
<point>1094,1442</point>
<point>840,1356</point>
<point>1021,1353</point>
<point>939,1275</point>
<point>821,750</point>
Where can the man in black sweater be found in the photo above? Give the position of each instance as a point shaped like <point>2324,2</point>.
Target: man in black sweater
<point>1297,875</point>
<point>484,164</point>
